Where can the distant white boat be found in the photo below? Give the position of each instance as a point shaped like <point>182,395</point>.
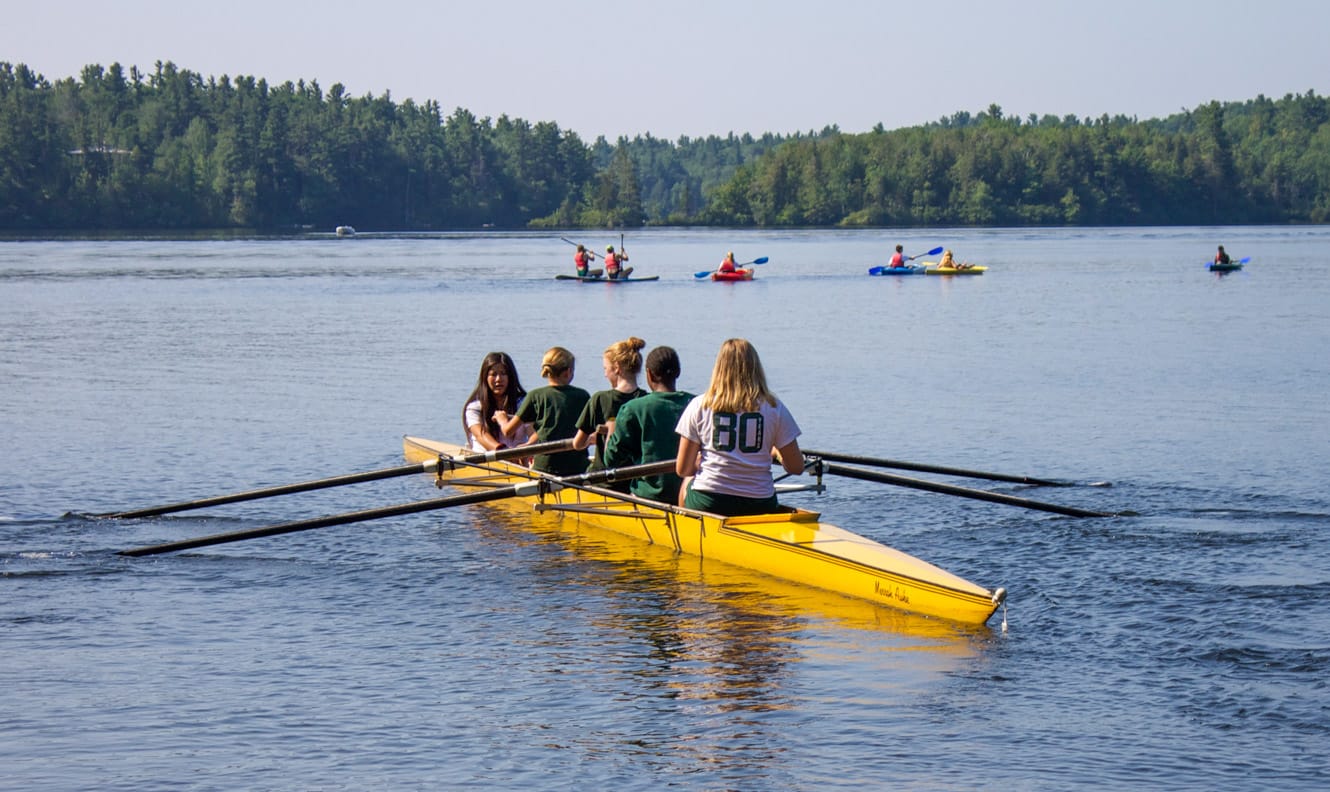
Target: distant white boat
<point>345,231</point>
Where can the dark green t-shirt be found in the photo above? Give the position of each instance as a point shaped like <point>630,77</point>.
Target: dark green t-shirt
<point>552,410</point>
<point>644,432</point>
<point>603,406</point>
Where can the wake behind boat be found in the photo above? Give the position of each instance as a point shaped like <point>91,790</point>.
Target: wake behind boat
<point>793,545</point>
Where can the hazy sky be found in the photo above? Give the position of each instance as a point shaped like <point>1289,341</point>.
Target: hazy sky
<point>685,67</point>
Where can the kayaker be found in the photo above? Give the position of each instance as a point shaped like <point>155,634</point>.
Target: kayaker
<point>582,259</point>
<point>948,262</point>
<point>622,362</point>
<point>614,268</point>
<point>728,265</point>
<point>898,259</point>
<point>497,389</point>
<point>644,429</point>
<point>552,411</point>
<point>730,435</point>
<point>1221,257</point>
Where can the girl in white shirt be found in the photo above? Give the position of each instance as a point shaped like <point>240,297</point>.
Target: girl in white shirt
<point>497,390</point>
<point>729,436</point>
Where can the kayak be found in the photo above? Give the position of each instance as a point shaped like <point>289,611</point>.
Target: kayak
<point>737,275</point>
<point>936,270</point>
<point>909,269</point>
<point>1230,267</point>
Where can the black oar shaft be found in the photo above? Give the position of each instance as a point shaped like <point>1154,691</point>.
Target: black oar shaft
<point>965,492</point>
<point>534,449</point>
<point>325,522</point>
<point>940,470</point>
<point>525,488</point>
<point>269,492</point>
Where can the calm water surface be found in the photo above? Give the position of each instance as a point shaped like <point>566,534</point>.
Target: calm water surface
<point>1184,648</point>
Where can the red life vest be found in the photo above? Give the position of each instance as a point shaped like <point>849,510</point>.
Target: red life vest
<point>897,260</point>
<point>611,264</point>
<point>581,260</point>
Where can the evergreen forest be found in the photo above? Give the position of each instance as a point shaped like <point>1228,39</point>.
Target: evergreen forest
<point>174,150</point>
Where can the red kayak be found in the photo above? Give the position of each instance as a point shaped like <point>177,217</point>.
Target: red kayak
<point>737,275</point>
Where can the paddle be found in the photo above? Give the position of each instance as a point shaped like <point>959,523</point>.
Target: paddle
<point>515,490</point>
<point>947,489</point>
<point>575,244</point>
<point>534,449</point>
<point>707,273</point>
<point>946,471</point>
<point>876,270</point>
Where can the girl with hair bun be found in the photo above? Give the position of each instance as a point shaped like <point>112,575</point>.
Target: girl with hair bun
<point>644,429</point>
<point>622,363</point>
<point>552,410</point>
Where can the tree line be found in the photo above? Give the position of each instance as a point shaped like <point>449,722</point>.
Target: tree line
<point>174,150</point>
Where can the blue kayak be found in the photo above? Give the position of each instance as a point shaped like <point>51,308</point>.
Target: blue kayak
<point>910,269</point>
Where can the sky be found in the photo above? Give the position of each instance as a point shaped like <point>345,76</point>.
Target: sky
<point>695,68</point>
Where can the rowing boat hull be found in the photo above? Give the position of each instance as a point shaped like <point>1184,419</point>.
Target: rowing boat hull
<point>794,546</point>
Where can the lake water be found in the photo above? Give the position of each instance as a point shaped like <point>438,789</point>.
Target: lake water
<point>1184,648</point>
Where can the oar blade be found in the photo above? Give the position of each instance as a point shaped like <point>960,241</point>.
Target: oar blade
<point>762,260</point>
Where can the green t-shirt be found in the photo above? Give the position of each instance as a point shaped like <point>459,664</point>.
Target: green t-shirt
<point>603,406</point>
<point>552,410</point>
<point>644,432</point>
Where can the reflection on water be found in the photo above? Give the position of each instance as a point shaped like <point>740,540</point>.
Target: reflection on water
<point>494,648</point>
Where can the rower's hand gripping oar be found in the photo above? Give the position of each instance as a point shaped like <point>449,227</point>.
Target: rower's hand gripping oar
<point>534,449</point>
<point>525,488</point>
<point>876,270</point>
<point>708,273</point>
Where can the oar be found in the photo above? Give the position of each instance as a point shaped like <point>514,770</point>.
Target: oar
<point>515,490</point>
<point>945,471</point>
<point>534,449</point>
<point>933,252</point>
<point>707,273</point>
<point>575,244</point>
<point>964,492</point>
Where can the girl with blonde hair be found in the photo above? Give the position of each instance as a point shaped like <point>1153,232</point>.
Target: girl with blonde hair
<point>622,363</point>
<point>552,410</point>
<point>729,436</point>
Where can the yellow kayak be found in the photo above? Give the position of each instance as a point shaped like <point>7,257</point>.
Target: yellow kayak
<point>933,269</point>
<point>794,545</point>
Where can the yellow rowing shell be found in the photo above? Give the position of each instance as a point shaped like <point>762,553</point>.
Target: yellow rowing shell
<point>793,545</point>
